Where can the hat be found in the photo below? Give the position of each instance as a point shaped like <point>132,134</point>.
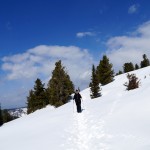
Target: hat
<point>77,90</point>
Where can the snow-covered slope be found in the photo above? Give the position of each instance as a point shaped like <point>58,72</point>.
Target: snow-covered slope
<point>119,120</point>
<point>18,112</point>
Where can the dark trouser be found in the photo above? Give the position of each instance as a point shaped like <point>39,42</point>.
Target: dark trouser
<point>78,103</point>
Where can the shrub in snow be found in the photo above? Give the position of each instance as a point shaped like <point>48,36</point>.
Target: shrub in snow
<point>133,82</point>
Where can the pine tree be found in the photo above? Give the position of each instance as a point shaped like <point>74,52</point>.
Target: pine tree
<point>37,98</point>
<point>1,117</point>
<point>30,102</point>
<point>60,87</point>
<point>40,95</point>
<point>128,67</point>
<point>105,71</point>
<point>94,84</point>
<point>120,72</point>
<point>133,82</point>
<point>145,61</point>
<point>137,67</point>
<point>6,116</point>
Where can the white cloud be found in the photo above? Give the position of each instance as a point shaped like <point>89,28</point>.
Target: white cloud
<point>84,34</point>
<point>133,8</point>
<point>40,61</point>
<point>123,49</point>
<point>23,69</point>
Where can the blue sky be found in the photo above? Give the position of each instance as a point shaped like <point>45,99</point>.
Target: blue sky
<point>35,34</point>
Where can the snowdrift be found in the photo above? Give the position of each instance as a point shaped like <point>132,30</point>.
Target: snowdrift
<point>119,120</point>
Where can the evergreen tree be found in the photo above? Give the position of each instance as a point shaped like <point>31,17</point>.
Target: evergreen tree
<point>37,98</point>
<point>128,67</point>
<point>120,72</point>
<point>1,118</point>
<point>6,116</point>
<point>94,85</point>
<point>105,71</point>
<point>133,82</point>
<point>60,87</point>
<point>40,95</point>
<point>145,61</point>
<point>30,102</point>
<point>137,67</point>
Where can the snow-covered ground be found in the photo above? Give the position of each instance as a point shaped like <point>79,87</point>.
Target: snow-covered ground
<point>119,120</point>
<point>18,112</point>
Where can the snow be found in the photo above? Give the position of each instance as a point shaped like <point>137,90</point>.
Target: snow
<point>18,112</point>
<point>119,120</point>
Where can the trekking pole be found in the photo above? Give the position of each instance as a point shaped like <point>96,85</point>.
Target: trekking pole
<point>73,106</point>
<point>82,103</point>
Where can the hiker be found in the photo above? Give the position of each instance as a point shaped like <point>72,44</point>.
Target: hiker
<point>77,97</point>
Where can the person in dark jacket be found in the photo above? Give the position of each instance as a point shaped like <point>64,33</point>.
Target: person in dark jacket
<point>77,97</point>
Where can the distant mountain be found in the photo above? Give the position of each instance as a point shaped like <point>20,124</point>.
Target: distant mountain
<point>18,112</point>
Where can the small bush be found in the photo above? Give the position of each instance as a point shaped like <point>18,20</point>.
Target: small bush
<point>133,82</point>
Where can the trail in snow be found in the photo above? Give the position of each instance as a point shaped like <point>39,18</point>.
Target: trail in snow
<point>86,133</point>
